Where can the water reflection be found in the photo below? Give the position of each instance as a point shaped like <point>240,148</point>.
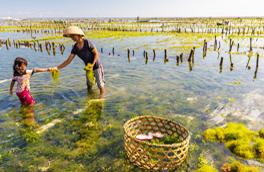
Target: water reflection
<point>28,125</point>
<point>28,116</point>
<point>190,66</point>
<point>231,62</point>
<point>89,128</point>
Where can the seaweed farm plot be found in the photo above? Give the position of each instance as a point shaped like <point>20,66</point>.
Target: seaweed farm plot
<point>208,81</point>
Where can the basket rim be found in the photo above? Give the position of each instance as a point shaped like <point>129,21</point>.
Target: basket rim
<point>187,139</point>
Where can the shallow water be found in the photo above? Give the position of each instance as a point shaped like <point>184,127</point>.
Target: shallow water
<point>90,137</point>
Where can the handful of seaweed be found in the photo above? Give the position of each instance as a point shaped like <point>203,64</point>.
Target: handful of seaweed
<point>169,139</point>
<point>89,72</point>
<point>55,75</point>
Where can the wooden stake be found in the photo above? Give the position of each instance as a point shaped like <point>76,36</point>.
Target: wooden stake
<point>257,65</point>
<point>221,64</point>
<point>190,55</point>
<point>250,48</point>
<point>146,57</point>
<point>34,46</point>
<point>165,56</point>
<point>204,49</point>
<point>231,63</point>
<point>177,60</point>
<point>154,55</point>
<point>128,55</point>
<point>219,43</point>
<point>181,57</point>
<point>247,66</point>
<point>231,43</point>
<point>215,44</point>
<point>40,47</point>
<point>193,55</point>
<point>7,45</point>
<point>190,66</point>
<point>62,48</point>
<point>54,51</point>
<point>113,51</point>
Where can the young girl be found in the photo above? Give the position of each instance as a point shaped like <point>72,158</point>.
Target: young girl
<point>22,76</point>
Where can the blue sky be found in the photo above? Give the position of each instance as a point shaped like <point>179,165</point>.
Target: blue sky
<point>130,8</point>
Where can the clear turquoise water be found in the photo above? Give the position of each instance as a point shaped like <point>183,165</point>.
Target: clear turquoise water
<point>132,89</point>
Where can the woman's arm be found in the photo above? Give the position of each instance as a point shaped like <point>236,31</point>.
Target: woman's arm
<point>11,87</point>
<point>66,62</point>
<point>96,56</point>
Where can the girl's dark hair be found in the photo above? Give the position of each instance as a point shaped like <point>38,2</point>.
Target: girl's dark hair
<point>18,62</point>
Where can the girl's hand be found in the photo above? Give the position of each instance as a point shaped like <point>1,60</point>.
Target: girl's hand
<point>11,92</point>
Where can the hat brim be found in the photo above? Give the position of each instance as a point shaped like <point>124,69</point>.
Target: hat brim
<point>69,35</point>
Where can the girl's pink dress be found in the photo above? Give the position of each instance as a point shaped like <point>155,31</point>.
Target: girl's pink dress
<point>23,88</point>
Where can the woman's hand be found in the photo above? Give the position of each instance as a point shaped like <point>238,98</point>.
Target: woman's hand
<point>52,69</point>
<point>88,67</point>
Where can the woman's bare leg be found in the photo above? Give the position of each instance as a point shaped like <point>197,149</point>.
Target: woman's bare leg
<point>102,92</point>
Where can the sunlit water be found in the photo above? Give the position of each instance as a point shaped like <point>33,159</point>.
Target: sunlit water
<point>135,88</point>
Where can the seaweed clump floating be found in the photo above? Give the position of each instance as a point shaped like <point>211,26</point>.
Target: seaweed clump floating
<point>204,165</point>
<point>238,139</point>
<point>236,166</point>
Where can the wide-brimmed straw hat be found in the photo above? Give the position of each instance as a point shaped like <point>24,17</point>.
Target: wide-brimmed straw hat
<point>72,30</point>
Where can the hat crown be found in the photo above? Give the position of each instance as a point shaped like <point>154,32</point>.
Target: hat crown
<point>72,30</point>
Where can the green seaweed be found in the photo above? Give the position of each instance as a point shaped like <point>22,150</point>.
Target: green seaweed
<point>238,139</point>
<point>236,166</point>
<point>171,139</point>
<point>204,166</point>
<point>261,133</point>
<point>259,147</point>
<point>55,74</point>
<point>210,135</point>
<point>241,148</point>
<point>234,83</point>
<point>117,34</point>
<point>168,139</point>
<point>29,135</point>
<point>46,38</point>
<point>90,73</point>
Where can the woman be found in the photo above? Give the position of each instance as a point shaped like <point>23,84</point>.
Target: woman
<point>85,50</point>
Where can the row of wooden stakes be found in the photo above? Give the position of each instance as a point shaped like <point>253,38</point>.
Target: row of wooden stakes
<point>36,45</point>
<point>179,58</point>
<point>190,59</point>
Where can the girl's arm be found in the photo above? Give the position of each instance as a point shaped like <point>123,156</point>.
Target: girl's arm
<point>66,62</point>
<point>11,87</point>
<point>35,70</point>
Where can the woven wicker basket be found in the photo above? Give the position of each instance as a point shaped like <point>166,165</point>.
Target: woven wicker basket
<point>155,156</point>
